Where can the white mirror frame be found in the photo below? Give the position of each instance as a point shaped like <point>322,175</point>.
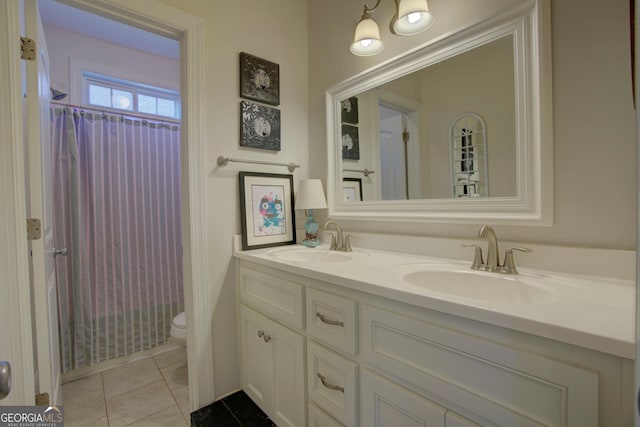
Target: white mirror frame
<point>533,204</point>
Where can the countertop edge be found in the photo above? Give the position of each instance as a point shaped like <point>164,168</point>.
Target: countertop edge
<point>604,344</point>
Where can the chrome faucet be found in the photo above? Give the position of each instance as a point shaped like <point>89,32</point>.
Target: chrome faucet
<point>493,255</point>
<point>339,241</point>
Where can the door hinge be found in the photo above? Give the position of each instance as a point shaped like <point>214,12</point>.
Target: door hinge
<point>34,231</point>
<point>27,49</point>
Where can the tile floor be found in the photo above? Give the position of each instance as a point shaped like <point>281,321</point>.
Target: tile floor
<point>149,392</point>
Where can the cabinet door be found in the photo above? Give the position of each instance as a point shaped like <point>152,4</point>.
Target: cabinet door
<point>289,397</point>
<point>257,359</point>
<point>385,403</point>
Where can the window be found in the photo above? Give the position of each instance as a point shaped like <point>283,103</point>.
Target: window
<point>107,92</point>
<point>469,156</point>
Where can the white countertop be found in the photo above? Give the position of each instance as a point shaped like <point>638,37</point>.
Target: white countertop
<point>592,312</point>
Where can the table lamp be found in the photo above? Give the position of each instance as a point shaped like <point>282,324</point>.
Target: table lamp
<point>310,197</point>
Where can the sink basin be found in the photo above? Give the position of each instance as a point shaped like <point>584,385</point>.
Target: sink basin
<point>310,255</point>
<point>479,285</point>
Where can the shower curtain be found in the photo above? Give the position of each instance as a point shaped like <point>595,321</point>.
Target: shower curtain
<point>116,192</point>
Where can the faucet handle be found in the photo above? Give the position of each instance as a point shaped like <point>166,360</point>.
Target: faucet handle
<point>478,261</point>
<point>347,243</point>
<point>509,266</point>
<point>334,244</point>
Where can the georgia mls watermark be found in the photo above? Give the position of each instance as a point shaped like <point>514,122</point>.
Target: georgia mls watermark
<point>31,416</point>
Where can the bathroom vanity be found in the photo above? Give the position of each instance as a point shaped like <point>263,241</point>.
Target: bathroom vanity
<point>374,338</point>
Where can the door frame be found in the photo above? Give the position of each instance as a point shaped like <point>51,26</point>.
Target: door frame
<point>168,21</point>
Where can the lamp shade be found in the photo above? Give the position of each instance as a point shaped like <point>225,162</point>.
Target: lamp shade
<point>413,17</point>
<point>367,37</point>
<point>310,195</point>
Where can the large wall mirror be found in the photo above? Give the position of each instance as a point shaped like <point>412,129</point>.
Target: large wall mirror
<point>456,131</point>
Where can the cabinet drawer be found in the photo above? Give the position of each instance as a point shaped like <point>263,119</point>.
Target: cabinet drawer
<point>385,403</point>
<point>497,382</point>
<point>332,319</point>
<point>332,383</point>
<point>318,418</point>
<point>272,294</point>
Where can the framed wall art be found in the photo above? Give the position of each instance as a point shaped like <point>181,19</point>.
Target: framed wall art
<point>351,190</point>
<point>349,110</point>
<point>260,127</point>
<point>266,209</point>
<point>350,142</point>
<point>259,79</point>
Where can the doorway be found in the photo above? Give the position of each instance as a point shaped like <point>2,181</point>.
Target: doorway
<point>163,20</point>
<point>398,148</point>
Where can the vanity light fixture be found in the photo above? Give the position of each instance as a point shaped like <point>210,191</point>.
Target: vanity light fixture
<point>411,17</point>
<point>310,197</point>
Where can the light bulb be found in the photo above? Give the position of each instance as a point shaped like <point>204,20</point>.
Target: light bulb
<point>414,17</point>
<point>365,42</point>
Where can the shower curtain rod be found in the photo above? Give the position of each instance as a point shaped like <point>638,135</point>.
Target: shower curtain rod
<point>116,112</point>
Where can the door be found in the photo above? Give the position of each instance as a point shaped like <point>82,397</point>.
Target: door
<point>399,148</point>
<point>273,368</point>
<point>39,206</point>
<point>15,305</point>
<point>257,359</point>
<point>287,348</point>
<point>393,154</point>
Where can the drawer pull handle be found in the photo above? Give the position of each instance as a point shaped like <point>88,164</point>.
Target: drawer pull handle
<point>328,385</point>
<point>323,319</point>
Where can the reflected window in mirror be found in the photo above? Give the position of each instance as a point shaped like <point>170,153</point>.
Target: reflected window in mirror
<point>469,156</point>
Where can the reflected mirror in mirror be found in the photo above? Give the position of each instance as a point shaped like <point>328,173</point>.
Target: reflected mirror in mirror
<point>445,131</point>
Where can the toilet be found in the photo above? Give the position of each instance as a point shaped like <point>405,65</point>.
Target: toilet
<point>179,329</point>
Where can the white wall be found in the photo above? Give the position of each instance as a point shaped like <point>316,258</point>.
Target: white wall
<point>480,81</point>
<point>108,58</point>
<point>277,31</point>
<point>594,122</point>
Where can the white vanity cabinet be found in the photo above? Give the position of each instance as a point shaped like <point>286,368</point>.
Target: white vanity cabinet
<point>272,356</point>
<point>338,356</point>
<point>494,382</point>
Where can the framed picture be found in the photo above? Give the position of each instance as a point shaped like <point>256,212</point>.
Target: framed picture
<point>350,142</point>
<point>349,108</point>
<point>351,190</point>
<point>260,127</point>
<point>266,209</point>
<point>259,79</point>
